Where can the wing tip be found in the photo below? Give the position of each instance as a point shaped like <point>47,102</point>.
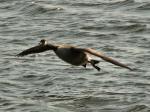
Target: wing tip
<point>129,68</point>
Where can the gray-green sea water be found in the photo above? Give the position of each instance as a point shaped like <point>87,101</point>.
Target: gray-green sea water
<point>44,83</point>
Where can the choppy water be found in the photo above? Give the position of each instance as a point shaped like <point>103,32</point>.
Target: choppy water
<point>44,83</point>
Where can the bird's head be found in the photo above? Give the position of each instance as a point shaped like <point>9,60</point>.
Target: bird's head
<point>43,42</point>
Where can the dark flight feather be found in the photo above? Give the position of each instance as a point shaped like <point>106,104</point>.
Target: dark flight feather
<point>35,49</point>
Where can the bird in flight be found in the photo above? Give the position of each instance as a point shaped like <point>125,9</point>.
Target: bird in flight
<point>72,55</point>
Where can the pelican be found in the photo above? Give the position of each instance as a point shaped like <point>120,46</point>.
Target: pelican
<point>72,55</point>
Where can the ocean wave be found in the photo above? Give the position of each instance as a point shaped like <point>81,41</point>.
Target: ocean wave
<point>103,3</point>
<point>136,27</point>
<point>144,6</point>
<point>138,108</point>
<point>132,27</point>
<point>37,8</point>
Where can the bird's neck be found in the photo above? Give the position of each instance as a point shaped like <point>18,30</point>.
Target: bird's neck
<point>52,47</point>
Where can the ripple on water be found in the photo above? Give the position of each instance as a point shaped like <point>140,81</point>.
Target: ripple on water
<point>32,8</point>
<point>44,83</point>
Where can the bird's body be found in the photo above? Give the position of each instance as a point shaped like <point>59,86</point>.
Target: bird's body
<point>69,55</point>
<point>72,55</point>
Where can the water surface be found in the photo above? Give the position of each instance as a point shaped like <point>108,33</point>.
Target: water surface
<point>44,83</point>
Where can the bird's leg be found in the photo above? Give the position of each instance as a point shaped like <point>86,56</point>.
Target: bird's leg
<point>93,63</point>
<point>96,67</point>
<point>84,65</point>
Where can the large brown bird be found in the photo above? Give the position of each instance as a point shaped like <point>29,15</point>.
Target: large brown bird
<point>73,55</point>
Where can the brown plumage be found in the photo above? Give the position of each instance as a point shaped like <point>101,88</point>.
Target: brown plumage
<point>72,55</point>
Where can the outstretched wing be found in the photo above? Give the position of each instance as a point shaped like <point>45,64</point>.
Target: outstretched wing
<point>98,54</point>
<point>35,49</point>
